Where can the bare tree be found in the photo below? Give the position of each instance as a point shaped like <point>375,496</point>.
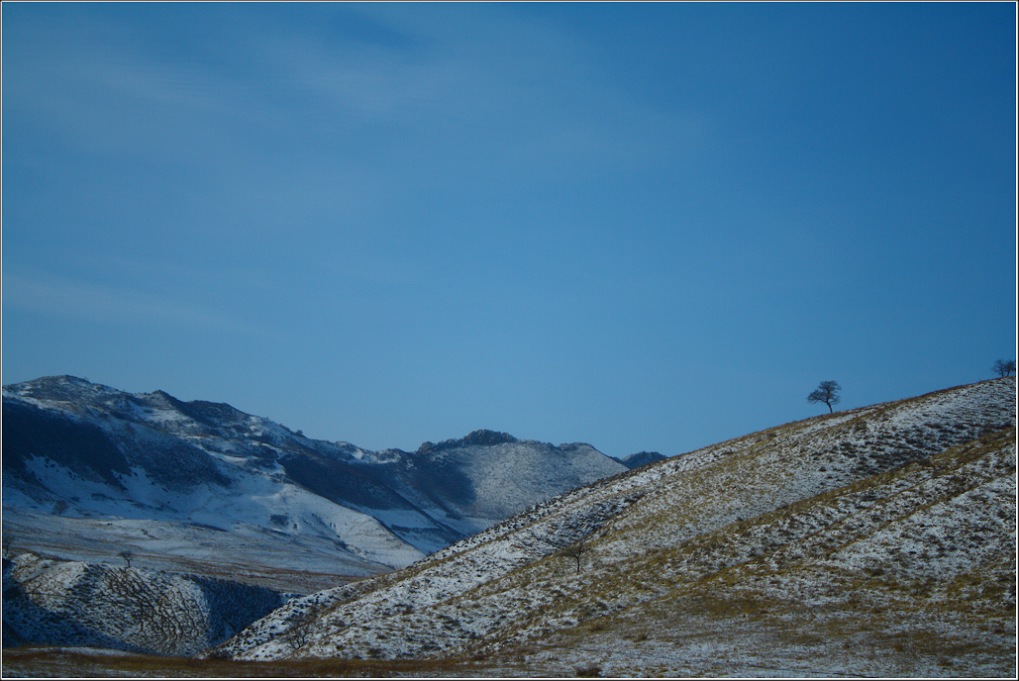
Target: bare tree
<point>575,551</point>
<point>1004,367</point>
<point>564,547</point>
<point>126,555</point>
<point>827,393</point>
<point>302,624</point>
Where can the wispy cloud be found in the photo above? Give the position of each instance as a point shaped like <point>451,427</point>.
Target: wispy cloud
<point>509,89</point>
<point>83,300</point>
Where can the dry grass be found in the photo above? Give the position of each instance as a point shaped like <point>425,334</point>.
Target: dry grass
<point>53,663</point>
<point>725,569</point>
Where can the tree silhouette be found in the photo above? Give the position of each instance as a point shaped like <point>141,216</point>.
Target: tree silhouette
<point>827,392</point>
<point>1004,367</point>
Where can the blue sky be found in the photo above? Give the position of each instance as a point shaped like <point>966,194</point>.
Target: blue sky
<point>643,226</point>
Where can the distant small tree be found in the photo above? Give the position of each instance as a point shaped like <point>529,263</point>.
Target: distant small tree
<point>564,548</point>
<point>575,551</point>
<point>827,393</point>
<point>301,625</point>
<point>1004,367</point>
<point>126,555</point>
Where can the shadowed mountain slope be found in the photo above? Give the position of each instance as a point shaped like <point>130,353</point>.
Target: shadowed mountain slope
<point>70,603</point>
<point>89,471</point>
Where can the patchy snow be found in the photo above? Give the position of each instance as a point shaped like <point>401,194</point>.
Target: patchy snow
<point>202,480</point>
<point>875,542</point>
<point>124,608</point>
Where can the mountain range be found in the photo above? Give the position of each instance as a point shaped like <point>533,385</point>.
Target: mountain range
<point>878,541</point>
<point>197,485</point>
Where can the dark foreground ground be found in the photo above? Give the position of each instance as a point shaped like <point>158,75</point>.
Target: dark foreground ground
<point>91,663</point>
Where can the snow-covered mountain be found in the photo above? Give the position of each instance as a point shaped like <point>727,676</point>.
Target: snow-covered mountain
<point>878,542</point>
<point>70,603</point>
<point>90,471</point>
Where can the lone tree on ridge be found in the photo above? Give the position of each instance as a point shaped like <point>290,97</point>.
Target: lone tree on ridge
<point>1004,367</point>
<point>827,392</point>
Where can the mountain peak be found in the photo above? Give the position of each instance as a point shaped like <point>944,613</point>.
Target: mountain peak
<point>640,459</point>
<point>482,437</point>
<point>64,388</point>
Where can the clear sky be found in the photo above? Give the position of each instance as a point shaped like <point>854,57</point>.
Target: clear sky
<point>642,226</point>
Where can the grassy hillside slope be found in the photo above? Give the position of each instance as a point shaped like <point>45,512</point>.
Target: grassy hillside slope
<point>878,541</point>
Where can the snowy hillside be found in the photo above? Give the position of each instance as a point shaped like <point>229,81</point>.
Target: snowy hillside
<point>90,471</point>
<point>126,608</point>
<point>878,541</point>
